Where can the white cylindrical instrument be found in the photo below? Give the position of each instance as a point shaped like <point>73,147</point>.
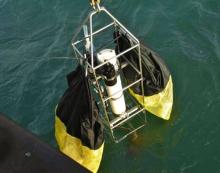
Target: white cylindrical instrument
<point>113,81</point>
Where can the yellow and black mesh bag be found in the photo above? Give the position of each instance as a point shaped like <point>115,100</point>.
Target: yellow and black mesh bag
<point>78,126</point>
<point>158,86</point>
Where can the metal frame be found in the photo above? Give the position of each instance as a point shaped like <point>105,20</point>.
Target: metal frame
<point>136,110</point>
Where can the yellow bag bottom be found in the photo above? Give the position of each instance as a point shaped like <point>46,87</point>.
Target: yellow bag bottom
<point>159,104</point>
<point>72,147</point>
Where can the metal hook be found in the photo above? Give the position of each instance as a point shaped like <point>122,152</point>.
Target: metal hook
<point>95,4</point>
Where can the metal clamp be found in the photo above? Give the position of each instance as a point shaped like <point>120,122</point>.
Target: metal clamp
<point>95,4</point>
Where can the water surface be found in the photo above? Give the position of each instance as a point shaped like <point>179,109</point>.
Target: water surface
<point>35,56</point>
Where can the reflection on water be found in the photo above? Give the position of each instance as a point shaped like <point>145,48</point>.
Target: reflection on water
<point>154,134</point>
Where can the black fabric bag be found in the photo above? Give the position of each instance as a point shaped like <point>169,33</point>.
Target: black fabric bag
<point>78,125</point>
<point>155,71</point>
<point>79,112</point>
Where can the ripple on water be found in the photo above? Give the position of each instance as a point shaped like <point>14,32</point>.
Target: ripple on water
<point>3,3</point>
<point>200,7</point>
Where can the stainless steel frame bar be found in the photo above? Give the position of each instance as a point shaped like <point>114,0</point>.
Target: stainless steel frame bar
<point>113,124</point>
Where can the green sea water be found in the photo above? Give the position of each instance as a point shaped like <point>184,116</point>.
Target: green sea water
<point>35,56</point>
